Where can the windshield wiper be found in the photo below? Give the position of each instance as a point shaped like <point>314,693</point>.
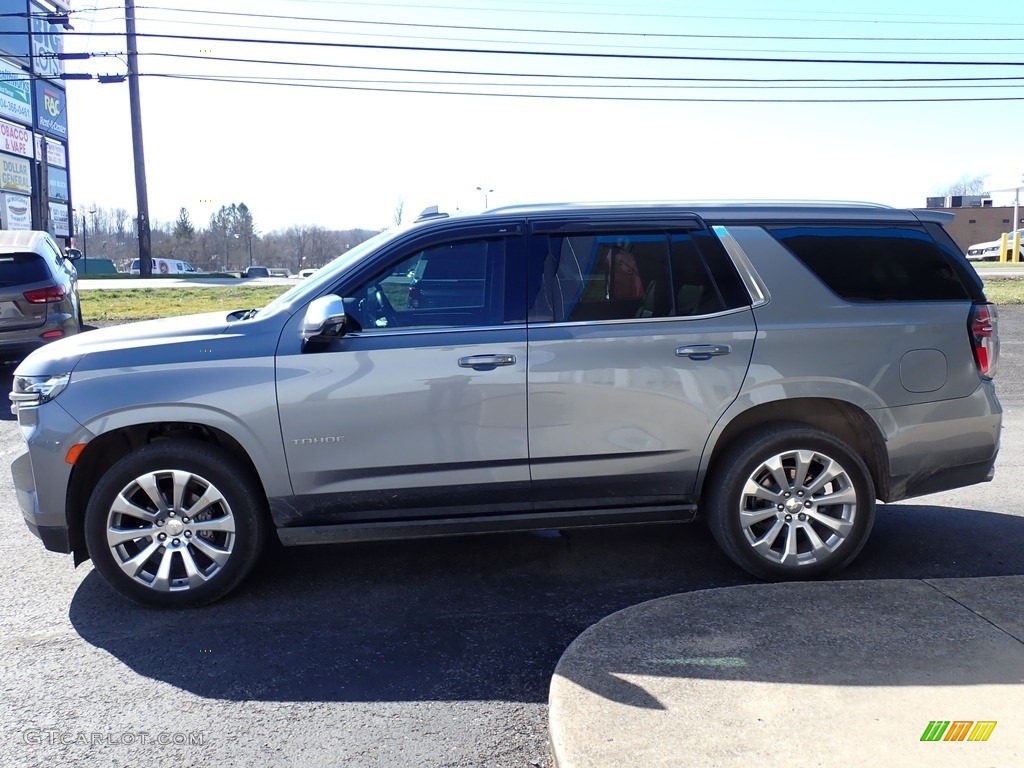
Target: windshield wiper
<point>243,314</point>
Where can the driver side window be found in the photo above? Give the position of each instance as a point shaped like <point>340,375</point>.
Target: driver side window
<point>458,284</point>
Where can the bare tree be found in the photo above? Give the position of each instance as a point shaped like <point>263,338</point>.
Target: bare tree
<point>298,244</point>
<point>323,246</point>
<point>399,210</point>
<point>966,185</point>
<point>120,217</point>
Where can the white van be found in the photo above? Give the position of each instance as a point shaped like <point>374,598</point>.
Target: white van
<point>167,267</point>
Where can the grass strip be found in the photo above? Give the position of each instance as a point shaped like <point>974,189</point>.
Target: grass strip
<point>128,304</point>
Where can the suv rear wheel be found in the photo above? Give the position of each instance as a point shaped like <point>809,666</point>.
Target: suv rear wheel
<point>791,501</point>
<point>175,523</point>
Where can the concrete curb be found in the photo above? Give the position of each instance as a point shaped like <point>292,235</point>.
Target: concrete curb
<point>796,674</point>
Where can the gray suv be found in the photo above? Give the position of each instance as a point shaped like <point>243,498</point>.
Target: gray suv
<point>773,369</point>
<point>38,293</point>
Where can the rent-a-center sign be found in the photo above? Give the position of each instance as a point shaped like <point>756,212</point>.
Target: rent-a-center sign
<point>51,112</point>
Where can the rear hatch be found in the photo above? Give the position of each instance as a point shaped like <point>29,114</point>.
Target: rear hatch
<point>26,288</point>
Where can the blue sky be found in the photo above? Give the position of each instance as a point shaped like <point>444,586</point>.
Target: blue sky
<point>344,156</point>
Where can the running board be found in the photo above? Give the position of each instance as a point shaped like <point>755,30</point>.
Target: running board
<point>464,526</point>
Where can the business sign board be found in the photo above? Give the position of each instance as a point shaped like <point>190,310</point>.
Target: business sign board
<point>14,34</point>
<point>55,154</point>
<point>59,220</point>
<point>15,139</point>
<point>15,93</point>
<point>52,113</point>
<point>58,183</point>
<point>15,174</point>
<point>47,43</point>
<point>15,211</point>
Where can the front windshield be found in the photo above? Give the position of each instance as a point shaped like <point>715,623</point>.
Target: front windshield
<point>328,272</point>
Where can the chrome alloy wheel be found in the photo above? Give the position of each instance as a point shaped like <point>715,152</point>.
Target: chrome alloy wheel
<point>797,508</point>
<point>170,530</point>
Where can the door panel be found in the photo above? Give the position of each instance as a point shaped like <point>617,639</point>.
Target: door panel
<point>419,409</point>
<point>643,348</point>
<point>618,417</point>
<point>393,421</point>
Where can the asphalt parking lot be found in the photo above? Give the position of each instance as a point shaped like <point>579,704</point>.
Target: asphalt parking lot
<point>427,653</point>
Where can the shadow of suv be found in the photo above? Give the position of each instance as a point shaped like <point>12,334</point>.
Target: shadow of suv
<point>38,293</point>
<point>776,368</point>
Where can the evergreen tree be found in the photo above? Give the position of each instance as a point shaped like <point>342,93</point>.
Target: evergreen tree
<point>183,229</point>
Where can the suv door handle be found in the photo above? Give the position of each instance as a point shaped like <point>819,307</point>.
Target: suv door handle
<point>703,351</point>
<point>486,362</point>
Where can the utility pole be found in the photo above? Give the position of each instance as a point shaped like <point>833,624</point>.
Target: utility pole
<point>141,195</point>
<point>85,250</point>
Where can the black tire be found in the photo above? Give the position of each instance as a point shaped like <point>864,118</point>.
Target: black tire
<point>791,541</point>
<point>176,543</point>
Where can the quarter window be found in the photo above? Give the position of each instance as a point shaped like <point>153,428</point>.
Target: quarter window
<point>872,263</point>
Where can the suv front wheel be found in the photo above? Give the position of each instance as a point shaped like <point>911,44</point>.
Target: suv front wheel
<point>175,523</point>
<point>791,501</point>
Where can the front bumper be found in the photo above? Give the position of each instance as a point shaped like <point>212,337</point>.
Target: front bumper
<point>41,475</point>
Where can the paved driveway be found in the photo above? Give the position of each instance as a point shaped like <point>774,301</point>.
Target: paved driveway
<point>427,653</point>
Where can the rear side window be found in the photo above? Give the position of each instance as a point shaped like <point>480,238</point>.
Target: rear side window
<point>874,263</point>
<point>18,268</point>
<point>628,275</point>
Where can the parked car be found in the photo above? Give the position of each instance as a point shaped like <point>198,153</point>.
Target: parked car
<point>774,369</point>
<point>989,251</point>
<point>38,293</point>
<point>256,272</point>
<point>165,267</point>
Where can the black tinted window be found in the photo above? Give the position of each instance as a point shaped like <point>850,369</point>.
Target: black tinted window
<point>697,290</point>
<point>446,285</point>
<point>622,276</point>
<point>723,271</point>
<point>872,263</point>
<point>18,268</point>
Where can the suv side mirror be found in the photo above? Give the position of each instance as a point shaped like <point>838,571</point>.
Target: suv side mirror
<point>324,319</point>
<point>72,254</point>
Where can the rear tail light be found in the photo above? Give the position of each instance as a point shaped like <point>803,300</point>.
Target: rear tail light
<point>48,295</point>
<point>983,328</point>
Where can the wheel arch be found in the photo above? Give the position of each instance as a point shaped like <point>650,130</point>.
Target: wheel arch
<point>101,453</point>
<point>843,419</point>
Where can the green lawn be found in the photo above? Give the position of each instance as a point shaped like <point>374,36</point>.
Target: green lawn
<point>127,304</point>
<point>1004,290</point>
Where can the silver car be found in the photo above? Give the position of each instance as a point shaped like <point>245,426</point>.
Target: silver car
<point>38,293</point>
<point>773,369</point>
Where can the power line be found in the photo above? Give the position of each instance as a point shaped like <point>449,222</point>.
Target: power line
<point>565,54</point>
<point>774,100</point>
<point>662,86</point>
<point>394,36</point>
<point>546,9</point>
<point>644,78</point>
<point>600,33</point>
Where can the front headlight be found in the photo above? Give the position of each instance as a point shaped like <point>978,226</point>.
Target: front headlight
<point>35,390</point>
<point>992,249</point>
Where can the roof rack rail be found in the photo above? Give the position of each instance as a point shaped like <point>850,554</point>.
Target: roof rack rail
<point>746,203</point>
<point>431,212</point>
